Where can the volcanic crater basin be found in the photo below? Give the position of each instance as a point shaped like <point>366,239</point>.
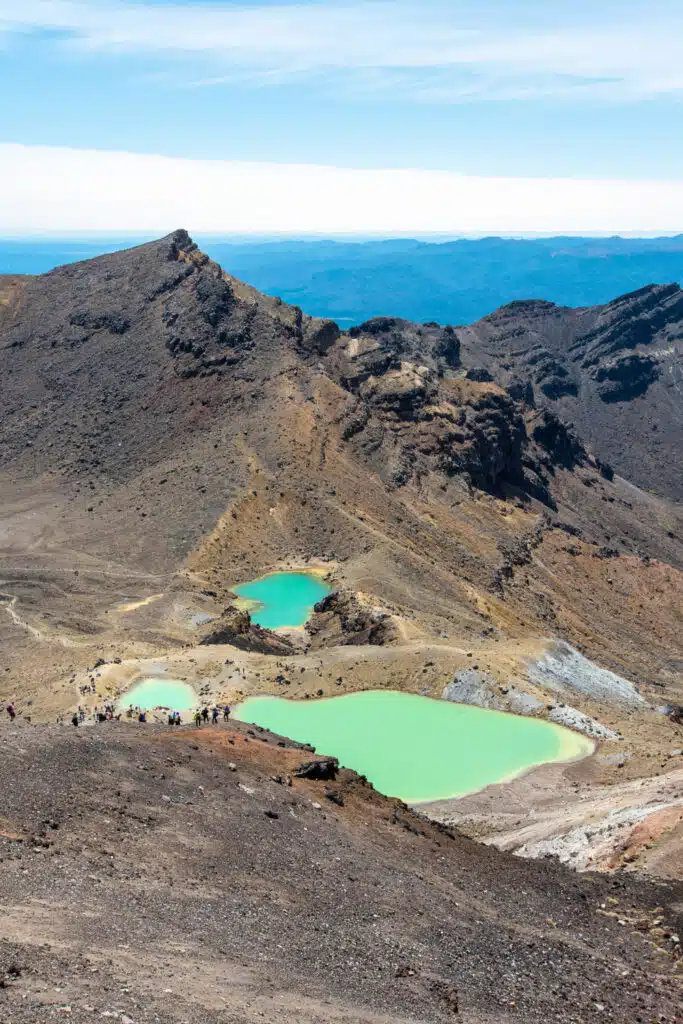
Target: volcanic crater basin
<point>416,748</point>
<point>282,599</point>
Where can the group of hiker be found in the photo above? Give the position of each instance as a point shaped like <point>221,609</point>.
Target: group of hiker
<point>104,714</point>
<point>202,717</point>
<point>108,714</point>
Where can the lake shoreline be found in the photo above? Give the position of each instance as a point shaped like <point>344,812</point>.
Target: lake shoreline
<point>419,749</point>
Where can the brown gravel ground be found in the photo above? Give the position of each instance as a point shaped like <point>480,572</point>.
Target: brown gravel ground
<point>143,878</point>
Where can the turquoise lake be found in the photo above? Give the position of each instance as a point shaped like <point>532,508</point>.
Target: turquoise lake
<point>417,748</point>
<point>281,598</point>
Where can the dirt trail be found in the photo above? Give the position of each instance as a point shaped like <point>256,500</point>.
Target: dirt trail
<point>9,603</point>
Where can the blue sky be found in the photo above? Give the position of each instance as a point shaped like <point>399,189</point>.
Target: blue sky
<point>497,89</point>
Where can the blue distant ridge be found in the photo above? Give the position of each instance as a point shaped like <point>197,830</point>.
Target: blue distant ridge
<point>449,282</point>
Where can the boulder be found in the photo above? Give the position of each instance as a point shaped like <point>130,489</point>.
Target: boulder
<point>323,769</point>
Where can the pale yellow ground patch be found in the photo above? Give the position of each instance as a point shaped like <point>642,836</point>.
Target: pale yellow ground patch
<point>132,606</point>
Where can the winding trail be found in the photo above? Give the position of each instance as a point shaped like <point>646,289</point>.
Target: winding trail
<point>9,603</point>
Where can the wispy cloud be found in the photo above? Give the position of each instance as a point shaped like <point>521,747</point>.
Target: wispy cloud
<point>59,189</point>
<point>434,50</point>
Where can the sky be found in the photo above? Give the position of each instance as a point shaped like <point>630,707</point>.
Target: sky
<point>341,116</point>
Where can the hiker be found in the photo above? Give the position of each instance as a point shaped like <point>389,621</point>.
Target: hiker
<point>142,717</point>
<point>198,718</point>
<point>81,714</point>
<point>205,714</point>
<point>226,712</point>
<point>171,718</point>
<point>214,716</point>
<point>74,719</point>
<point>176,718</point>
<point>11,711</point>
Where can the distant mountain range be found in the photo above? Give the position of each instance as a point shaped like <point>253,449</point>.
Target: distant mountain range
<point>451,282</point>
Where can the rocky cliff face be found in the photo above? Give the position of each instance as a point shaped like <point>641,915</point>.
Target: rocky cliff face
<point>614,372</point>
<point>413,418</point>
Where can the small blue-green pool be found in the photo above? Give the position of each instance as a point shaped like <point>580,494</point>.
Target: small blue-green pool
<point>148,694</point>
<point>282,598</point>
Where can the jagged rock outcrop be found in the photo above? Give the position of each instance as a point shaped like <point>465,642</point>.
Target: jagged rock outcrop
<point>625,377</point>
<point>322,769</point>
<point>559,442</point>
<point>340,619</point>
<point>383,344</point>
<point>412,418</point>
<point>237,629</point>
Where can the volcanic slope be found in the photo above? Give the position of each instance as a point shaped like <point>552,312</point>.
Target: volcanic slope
<point>195,877</point>
<point>615,372</point>
<point>168,432</point>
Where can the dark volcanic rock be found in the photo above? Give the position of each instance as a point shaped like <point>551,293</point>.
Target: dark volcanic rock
<point>413,414</point>
<point>379,345</point>
<point>323,769</point>
<point>562,445</point>
<point>107,365</point>
<point>625,378</point>
<point>408,420</point>
<point>237,629</point>
<point>340,619</point>
<point>614,373</point>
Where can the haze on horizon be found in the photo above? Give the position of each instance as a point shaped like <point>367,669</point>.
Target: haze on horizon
<point>385,117</point>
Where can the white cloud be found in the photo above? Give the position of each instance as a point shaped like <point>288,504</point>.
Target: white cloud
<point>46,189</point>
<point>491,50</point>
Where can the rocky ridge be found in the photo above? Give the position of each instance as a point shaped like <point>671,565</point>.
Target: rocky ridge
<point>614,372</point>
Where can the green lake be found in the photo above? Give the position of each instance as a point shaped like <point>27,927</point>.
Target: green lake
<point>160,693</point>
<point>416,748</point>
<point>281,598</point>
